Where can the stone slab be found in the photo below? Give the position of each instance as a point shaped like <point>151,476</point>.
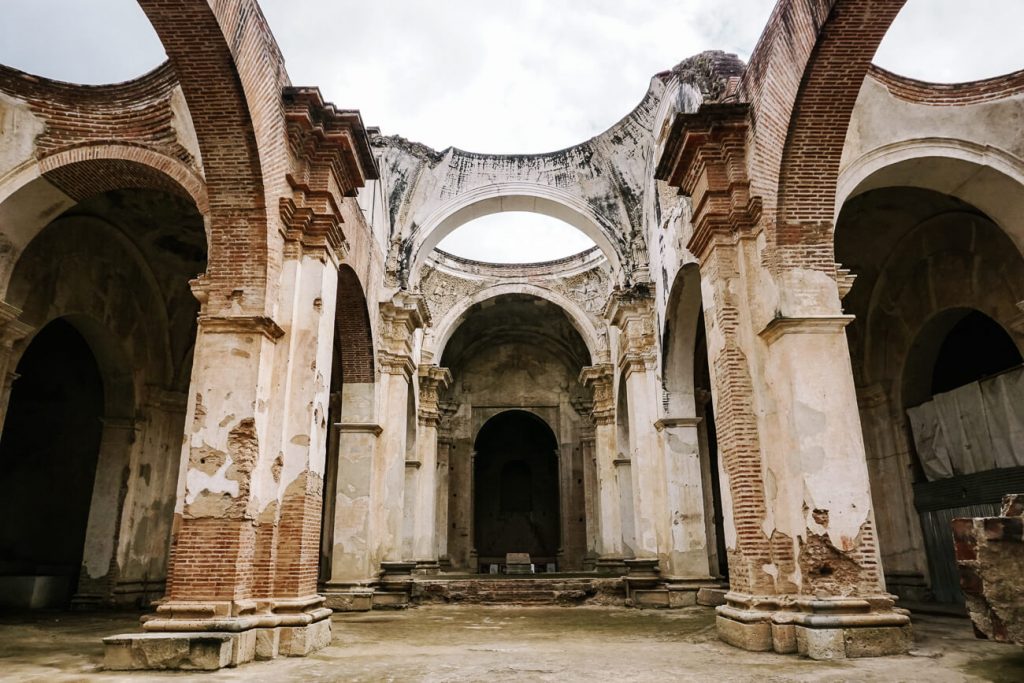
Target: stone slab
<point>878,642</point>
<point>299,641</point>
<point>168,651</point>
<point>756,636</point>
<point>390,600</point>
<point>268,643</point>
<point>711,597</point>
<point>820,643</point>
<point>656,598</point>
<point>681,597</point>
<point>355,601</point>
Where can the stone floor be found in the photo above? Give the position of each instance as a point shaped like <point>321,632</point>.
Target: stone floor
<point>448,643</point>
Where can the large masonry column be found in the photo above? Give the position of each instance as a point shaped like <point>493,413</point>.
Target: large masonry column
<point>610,558</point>
<point>399,320</point>
<point>309,280</point>
<point>226,459</point>
<point>803,556</point>
<point>432,381</point>
<point>245,545</point>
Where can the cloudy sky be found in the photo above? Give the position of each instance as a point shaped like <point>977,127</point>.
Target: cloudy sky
<point>495,75</point>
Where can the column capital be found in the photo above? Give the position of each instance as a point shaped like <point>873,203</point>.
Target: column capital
<point>400,317</point>
<point>601,379</point>
<point>12,330</point>
<point>632,311</point>
<point>395,364</point>
<point>433,380</point>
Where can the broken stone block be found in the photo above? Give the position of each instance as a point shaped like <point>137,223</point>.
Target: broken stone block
<point>174,651</point>
<point>990,556</point>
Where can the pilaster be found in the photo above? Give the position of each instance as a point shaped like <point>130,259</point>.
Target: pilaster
<point>632,311</point>
<point>601,379</point>
<point>433,380</point>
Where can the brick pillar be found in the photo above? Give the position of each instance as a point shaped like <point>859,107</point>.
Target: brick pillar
<point>289,542</point>
<point>610,557</point>
<point>432,381</point>
<point>226,476</point>
<point>803,558</point>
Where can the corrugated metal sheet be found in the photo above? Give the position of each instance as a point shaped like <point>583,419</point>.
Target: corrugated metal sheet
<point>939,502</point>
<point>938,543</point>
<point>968,489</point>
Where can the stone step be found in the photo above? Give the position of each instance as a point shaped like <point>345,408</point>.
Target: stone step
<point>513,591</point>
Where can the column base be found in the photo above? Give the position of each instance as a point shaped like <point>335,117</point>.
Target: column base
<point>426,568</point>
<point>835,628</point>
<point>203,636</point>
<point>348,597</point>
<point>613,565</point>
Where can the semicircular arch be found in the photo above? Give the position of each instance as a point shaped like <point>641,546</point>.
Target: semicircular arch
<point>501,197</point>
<point>39,193</point>
<point>987,178</point>
<point>454,317</point>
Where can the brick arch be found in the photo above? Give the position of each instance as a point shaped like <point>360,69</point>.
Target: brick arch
<point>353,342</point>
<point>231,74</point>
<point>41,192</point>
<point>83,171</point>
<point>802,82</point>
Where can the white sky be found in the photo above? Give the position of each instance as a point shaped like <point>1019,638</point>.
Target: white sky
<point>494,75</point>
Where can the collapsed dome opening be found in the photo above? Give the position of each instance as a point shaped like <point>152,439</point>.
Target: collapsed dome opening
<point>961,45</point>
<point>92,43</point>
<point>515,237</point>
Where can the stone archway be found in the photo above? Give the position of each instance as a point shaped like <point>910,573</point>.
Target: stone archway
<point>516,490</point>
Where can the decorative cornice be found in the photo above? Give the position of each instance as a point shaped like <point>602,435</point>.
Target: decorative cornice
<point>705,157</point>
<point>672,422</point>
<point>358,428</point>
<point>815,324</point>
<point>241,324</point>
<point>311,221</point>
<point>329,140</point>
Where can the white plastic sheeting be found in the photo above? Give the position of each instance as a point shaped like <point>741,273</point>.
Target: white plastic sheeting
<point>976,427</point>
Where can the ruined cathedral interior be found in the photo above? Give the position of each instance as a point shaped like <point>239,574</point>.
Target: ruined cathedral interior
<point>246,395</point>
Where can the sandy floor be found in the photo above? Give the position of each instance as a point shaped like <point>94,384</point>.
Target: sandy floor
<point>514,643</point>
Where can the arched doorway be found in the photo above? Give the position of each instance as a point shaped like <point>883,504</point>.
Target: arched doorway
<point>48,454</point>
<point>516,499</point>
<point>963,386</point>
